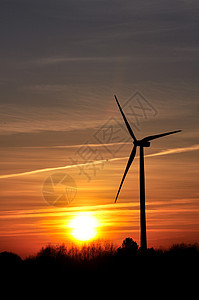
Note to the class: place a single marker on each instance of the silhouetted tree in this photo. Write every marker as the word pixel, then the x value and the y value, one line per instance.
pixel 129 247
pixel 101 260
pixel 9 258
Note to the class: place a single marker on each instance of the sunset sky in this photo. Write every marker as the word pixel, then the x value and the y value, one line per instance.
pixel 62 62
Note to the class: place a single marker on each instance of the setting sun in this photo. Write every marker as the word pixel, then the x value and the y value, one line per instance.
pixel 83 227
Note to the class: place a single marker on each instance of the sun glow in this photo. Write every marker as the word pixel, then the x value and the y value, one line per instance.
pixel 83 227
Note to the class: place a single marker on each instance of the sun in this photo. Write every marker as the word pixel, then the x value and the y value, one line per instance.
pixel 83 227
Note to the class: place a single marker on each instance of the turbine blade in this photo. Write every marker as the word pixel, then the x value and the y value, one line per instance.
pixel 153 137
pixel 131 158
pixel 126 122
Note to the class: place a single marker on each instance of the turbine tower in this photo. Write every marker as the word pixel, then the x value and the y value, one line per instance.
pixel 145 142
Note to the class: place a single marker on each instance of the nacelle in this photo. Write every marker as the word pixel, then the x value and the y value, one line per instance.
pixel 146 144
pixel 142 143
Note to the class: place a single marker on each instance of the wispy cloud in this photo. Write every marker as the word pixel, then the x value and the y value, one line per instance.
pixel 175 150
pixel 49 169
pixel 34 119
pixel 165 152
pixel 63 59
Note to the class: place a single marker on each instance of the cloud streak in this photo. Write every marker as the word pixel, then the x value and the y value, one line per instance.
pixel 165 152
pixel 175 150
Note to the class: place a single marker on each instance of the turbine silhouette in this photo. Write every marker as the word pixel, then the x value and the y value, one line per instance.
pixel 145 142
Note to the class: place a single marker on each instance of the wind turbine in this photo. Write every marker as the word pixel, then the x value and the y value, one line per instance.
pixel 145 142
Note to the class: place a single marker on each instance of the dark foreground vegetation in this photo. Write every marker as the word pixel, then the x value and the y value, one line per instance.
pixel 103 262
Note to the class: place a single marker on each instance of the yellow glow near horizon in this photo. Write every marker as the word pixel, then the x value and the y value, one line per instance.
pixel 83 227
